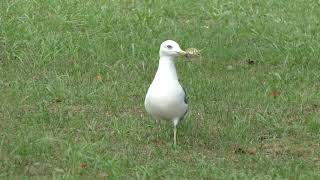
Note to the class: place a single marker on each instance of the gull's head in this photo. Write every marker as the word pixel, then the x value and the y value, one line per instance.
pixel 170 49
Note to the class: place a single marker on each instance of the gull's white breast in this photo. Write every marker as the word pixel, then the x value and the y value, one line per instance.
pixel 165 100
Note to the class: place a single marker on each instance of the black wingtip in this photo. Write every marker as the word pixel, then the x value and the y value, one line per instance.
pixel 185 95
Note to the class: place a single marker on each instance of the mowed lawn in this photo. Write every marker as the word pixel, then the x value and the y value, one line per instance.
pixel 74 74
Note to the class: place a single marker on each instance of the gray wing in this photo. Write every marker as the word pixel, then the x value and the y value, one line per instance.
pixel 185 95
pixel 185 101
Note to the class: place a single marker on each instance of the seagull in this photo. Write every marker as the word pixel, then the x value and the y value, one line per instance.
pixel 166 99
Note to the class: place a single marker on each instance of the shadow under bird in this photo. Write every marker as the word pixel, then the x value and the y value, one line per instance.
pixel 166 98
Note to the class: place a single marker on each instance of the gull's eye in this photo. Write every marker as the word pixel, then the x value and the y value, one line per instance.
pixel 169 46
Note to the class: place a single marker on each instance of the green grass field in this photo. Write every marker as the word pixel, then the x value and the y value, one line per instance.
pixel 74 74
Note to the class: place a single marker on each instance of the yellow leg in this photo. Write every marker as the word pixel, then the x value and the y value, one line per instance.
pixel 175 135
pixel 158 128
pixel 175 123
pixel 158 124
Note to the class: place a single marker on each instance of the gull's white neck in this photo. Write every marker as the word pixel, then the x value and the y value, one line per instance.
pixel 166 69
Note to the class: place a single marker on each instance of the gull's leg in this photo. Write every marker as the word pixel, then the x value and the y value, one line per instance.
pixel 158 124
pixel 158 127
pixel 175 123
pixel 175 135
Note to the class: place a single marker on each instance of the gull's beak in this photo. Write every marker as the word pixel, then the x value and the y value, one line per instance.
pixel 182 53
